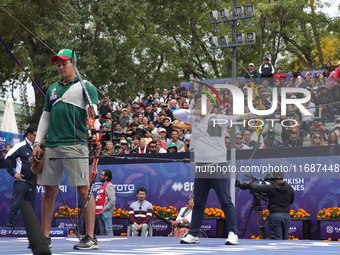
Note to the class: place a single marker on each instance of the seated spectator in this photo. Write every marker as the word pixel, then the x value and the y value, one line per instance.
pixel 227 140
pixel 159 147
pixel 167 111
pixel 186 143
pixel 251 126
pixel 239 142
pixel 146 135
pixel 109 150
pixel 152 147
pixel 140 214
pixel 175 139
pixel 293 141
pixel 307 120
pixel 156 107
pixel 272 132
pixel 337 127
pixel 162 134
pixel 4 152
pixel 135 142
pixel 133 131
pixel 318 126
pixel 125 146
pixel 246 140
pixel 118 149
pixel 144 124
pixel 172 147
pixel 141 148
pixel 183 219
pixel 317 139
pixel 149 113
pixel 332 139
pixel 325 97
pixel 151 127
pixel 167 125
pixel 173 105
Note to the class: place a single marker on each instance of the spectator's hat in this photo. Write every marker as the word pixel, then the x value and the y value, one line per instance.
pixel 64 54
pixel 309 87
pixel 226 134
pixel 106 125
pixel 323 86
pixel 264 94
pixel 164 105
pixel 155 102
pixel 248 80
pixel 293 97
pixel 251 64
pixel 118 145
pixel 172 145
pixel 266 58
pixel 186 137
pixel 162 130
pixel 167 118
pixel 124 110
pixel 137 106
pixel 183 88
pixel 123 142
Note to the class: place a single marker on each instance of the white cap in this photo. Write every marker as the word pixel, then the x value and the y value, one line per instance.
pixel 339 63
pixel 187 137
pixel 162 130
pixel 251 64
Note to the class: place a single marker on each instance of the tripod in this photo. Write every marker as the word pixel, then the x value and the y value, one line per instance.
pixel 257 208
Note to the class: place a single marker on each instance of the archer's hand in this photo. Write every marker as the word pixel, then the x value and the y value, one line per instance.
pixel 36 153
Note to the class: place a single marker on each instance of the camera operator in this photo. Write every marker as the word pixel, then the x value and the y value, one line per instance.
pixel 281 196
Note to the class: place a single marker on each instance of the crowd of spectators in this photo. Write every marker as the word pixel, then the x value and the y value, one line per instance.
pixel 148 125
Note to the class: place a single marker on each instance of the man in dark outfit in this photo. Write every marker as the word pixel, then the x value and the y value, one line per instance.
pixel 281 196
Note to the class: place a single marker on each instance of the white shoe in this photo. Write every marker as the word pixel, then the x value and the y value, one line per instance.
pixel 189 239
pixel 232 239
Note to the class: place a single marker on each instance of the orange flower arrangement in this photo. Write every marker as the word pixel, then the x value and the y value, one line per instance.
pixel 65 211
pixel 213 212
pixel 167 212
pixel 299 214
pixel 329 213
pixel 120 213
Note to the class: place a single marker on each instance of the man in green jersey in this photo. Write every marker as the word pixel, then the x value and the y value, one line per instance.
pixel 64 122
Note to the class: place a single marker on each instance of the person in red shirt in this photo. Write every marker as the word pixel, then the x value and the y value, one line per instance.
pixel 280 75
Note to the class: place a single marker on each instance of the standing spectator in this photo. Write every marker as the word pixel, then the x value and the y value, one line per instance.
pixel 140 214
pixel 166 110
pixel 251 73
pixel 317 139
pixel 293 141
pixel 125 146
pixel 116 115
pixel 18 166
pixel 65 140
pixel 163 135
pixel 279 75
pixel 104 106
pixel 266 70
pixel 105 203
pixel 159 147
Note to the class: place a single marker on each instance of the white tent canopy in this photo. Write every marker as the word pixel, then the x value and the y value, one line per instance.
pixel 9 123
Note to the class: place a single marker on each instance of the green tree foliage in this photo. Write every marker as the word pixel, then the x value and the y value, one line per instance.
pixel 130 48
